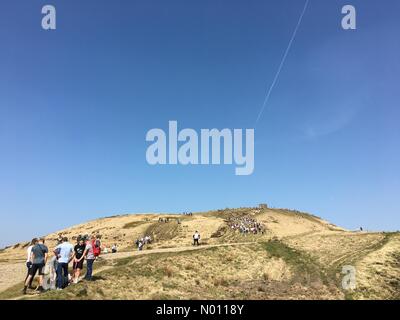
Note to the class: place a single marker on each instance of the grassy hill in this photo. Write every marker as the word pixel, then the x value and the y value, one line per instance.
pixel 298 256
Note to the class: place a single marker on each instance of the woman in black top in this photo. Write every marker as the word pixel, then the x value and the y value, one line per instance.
pixel 79 249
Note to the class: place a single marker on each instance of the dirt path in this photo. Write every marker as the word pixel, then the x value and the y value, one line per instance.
pixel 122 255
pixel 17 270
pixel 358 254
pixel 11 273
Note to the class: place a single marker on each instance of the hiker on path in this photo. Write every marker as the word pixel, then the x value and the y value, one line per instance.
pixel 114 248
pixel 38 259
pixel 147 240
pixel 196 238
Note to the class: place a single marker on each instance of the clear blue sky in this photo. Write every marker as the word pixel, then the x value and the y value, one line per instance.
pixel 76 103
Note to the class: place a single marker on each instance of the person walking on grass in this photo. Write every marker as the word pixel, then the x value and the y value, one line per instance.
pixel 65 253
pixel 79 258
pixel 28 260
pixel 38 258
pixel 89 253
pixel 196 238
pixel 114 248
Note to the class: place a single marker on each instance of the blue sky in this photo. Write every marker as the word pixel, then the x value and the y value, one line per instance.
pixel 76 103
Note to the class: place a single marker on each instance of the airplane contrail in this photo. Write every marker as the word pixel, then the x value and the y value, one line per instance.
pixel 282 63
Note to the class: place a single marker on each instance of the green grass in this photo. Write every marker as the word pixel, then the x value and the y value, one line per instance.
pixel 227 213
pixel 387 237
pixel 305 267
pixel 394 284
pixel 280 250
pixel 349 295
pixel 13 291
pixel 163 231
pixel 133 224
pixel 296 213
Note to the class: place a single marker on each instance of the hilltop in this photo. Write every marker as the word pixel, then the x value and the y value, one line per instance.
pixel 296 256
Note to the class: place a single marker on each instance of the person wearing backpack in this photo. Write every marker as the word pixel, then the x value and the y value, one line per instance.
pixel 91 252
pixel 97 247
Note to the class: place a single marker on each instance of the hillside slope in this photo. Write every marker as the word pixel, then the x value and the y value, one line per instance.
pixel 295 256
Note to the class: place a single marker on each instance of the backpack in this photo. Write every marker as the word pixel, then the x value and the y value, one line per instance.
pixel 57 252
pixel 96 247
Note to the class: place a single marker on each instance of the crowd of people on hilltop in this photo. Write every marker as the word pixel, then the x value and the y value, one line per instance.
pixel 246 224
pixel 187 213
pixel 55 264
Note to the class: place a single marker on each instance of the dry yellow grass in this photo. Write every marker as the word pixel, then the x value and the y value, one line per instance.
pixel 303 261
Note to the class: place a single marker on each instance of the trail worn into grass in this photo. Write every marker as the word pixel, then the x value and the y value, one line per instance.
pixel 298 257
pixel 265 270
pixel 11 274
pixel 123 255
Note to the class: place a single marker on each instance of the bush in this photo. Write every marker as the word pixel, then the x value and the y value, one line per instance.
pixel 168 272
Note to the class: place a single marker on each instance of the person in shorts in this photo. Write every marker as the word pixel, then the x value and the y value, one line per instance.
pixel 78 260
pixel 29 260
pixel 39 255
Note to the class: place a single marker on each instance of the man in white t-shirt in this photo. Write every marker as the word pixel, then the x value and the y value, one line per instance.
pixel 196 238
pixel 64 252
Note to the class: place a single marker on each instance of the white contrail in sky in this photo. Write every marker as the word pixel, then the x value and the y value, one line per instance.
pixel 282 63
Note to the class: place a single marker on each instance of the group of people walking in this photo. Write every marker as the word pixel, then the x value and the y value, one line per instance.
pixel 142 241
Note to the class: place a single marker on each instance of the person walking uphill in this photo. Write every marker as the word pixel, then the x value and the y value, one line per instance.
pixel 38 259
pixel 65 252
